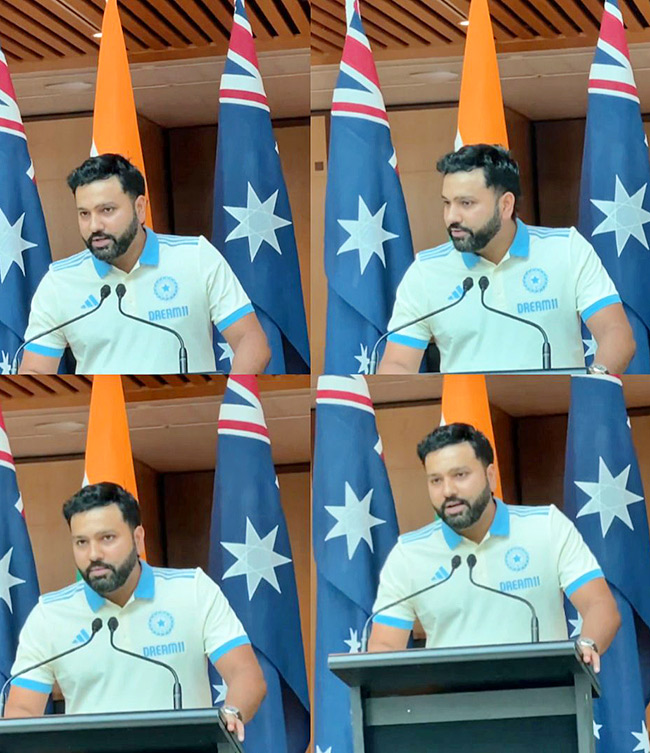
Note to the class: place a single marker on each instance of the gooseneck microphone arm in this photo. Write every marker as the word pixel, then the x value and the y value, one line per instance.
pixel 182 351
pixel 455 564
pixel 103 295
pixel 468 284
pixel 178 693
pixel 483 284
pixel 95 628
pixel 534 622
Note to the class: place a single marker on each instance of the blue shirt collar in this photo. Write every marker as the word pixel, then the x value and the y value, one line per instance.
pixel 500 526
pixel 150 255
pixel 520 247
pixel 144 590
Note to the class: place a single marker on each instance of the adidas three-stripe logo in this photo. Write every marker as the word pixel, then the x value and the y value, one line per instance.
pixel 90 302
pixel 81 637
pixel 441 573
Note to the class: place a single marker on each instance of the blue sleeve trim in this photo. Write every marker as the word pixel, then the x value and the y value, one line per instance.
pixel 382 619
pixel 241 641
pixel 39 687
pixel 412 342
pixel 608 301
pixel 235 316
pixel 43 350
pixel 591 575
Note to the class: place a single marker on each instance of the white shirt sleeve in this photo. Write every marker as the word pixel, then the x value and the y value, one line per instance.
pixel 394 584
pixel 33 648
pixel 222 630
pixel 408 305
pixel 44 315
pixel 594 286
pixel 227 300
pixel 576 565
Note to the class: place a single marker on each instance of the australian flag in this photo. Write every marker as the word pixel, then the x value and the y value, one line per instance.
pixel 24 249
pixel 603 495
pixel 354 529
pixel 614 196
pixel 18 582
pixel 368 243
pixel 250 557
pixel 252 225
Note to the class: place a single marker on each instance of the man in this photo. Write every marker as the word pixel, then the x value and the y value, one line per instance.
pixel 177 616
pixel 182 283
pixel 534 552
pixel 551 277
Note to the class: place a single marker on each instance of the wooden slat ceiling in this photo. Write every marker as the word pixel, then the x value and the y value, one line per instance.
pixel 33 392
pixel 431 28
pixel 53 34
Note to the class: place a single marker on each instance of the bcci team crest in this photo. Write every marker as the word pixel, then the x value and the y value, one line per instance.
pixel 165 288
pixel 517 558
pixel 161 623
pixel 535 280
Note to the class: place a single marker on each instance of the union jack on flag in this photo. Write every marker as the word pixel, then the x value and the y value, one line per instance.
pixel 253 225
pixel 367 237
pixel 25 249
pixel 614 197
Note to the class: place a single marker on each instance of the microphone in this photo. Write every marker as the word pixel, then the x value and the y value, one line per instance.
pixel 468 284
pixel 182 351
pixel 104 292
pixel 483 283
pixel 95 628
pixel 178 693
pixel 455 564
pixel 534 623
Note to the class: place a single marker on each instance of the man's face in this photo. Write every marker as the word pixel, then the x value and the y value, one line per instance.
pixel 460 486
pixel 109 219
pixel 105 548
pixel 472 211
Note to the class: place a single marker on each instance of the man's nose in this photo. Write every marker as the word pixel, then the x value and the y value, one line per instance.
pixel 96 223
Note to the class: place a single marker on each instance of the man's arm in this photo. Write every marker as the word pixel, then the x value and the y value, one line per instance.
pixel 613 333
pixel 34 363
pixel 248 341
pixel 387 638
pixel 600 617
pixel 400 359
pixel 23 702
pixel 244 678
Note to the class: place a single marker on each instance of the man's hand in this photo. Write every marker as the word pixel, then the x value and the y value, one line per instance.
pixel 233 724
pixel 590 656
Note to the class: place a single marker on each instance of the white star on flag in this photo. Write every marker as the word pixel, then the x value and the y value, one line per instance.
pixel 19 505
pixel 577 626
pixel 320 750
pixel 7 580
pixel 367 235
pixel 228 352
pixel 12 245
pixel 597 728
pixel 257 222
pixel 609 497
pixel 222 690
pixel 5 363
pixel 354 520
pixel 643 741
pixel 364 360
pixel 591 345
pixel 353 642
pixel 379 447
pixel 625 216
pixel 256 559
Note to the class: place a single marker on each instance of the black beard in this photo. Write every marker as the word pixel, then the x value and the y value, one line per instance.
pixel 116 578
pixel 119 246
pixel 470 514
pixel 476 240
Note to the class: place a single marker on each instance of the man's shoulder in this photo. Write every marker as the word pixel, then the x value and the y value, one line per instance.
pixel 530 517
pixel 172 573
pixel 409 539
pixel 435 254
pixel 170 243
pixel 63 594
pixel 71 263
pixel 546 239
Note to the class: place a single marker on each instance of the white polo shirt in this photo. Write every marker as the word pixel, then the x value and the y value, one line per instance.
pixel 534 552
pixel 183 283
pixel 179 617
pixel 549 276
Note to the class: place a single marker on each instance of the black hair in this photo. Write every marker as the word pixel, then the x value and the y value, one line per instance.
pixel 106 166
pixel 499 166
pixel 450 434
pixel 101 495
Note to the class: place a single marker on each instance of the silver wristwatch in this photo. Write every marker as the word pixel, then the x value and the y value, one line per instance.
pixel 588 643
pixel 232 711
pixel 597 368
